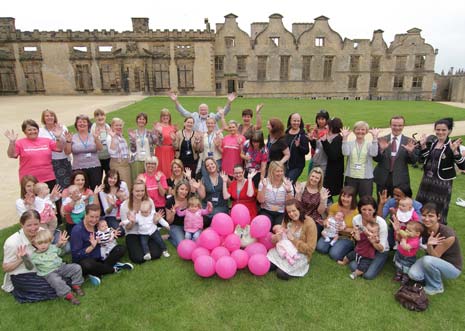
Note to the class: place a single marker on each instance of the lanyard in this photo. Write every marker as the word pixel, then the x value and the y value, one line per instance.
pixel 359 150
pixel 141 138
pixel 85 144
pixel 210 140
pixel 51 134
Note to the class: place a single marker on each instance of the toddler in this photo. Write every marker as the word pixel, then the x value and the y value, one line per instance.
pixel 193 220
pixel 146 218
pixel 45 207
pixel 285 247
pixel 78 202
pixel 405 212
pixel 407 247
pixel 46 258
pixel 106 237
pixel 333 225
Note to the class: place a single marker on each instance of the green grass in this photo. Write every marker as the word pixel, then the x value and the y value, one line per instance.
pixel 166 294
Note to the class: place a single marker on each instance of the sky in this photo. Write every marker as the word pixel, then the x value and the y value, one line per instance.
pixel 442 22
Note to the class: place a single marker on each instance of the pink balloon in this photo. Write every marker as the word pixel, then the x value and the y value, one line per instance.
pixel 241 257
pixel 266 240
pixel 185 249
pixel 260 226
pixel 256 248
pixel 226 267
pixel 232 242
pixel 240 214
pixel 259 264
pixel 219 252
pixel 204 266
pixel 222 224
pixel 209 239
pixel 199 251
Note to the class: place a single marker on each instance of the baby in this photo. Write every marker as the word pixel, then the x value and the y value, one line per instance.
pixel 49 265
pixel 405 212
pixel 193 220
pixel 285 247
pixel 121 196
pixel 407 247
pixel 78 202
pixel 45 207
pixel 106 237
pixel 333 225
pixel 146 218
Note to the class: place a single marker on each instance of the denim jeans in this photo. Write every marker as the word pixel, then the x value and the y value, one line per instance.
pixel 192 235
pixel 375 267
pixel 336 252
pixel 431 269
pixel 176 234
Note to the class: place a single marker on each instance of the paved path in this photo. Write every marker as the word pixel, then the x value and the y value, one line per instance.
pixel 13 110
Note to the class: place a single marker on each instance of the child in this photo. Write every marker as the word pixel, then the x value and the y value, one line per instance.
pixel 193 220
pixel 255 155
pixel 45 207
pixel 49 265
pixel 407 247
pixel 78 202
pixel 285 247
pixel 146 218
pixel 405 212
pixel 106 237
pixel 364 252
pixel 333 225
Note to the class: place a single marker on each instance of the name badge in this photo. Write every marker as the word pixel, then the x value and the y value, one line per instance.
pixel 88 155
pixel 357 166
pixel 188 152
pixel 142 153
pixel 215 199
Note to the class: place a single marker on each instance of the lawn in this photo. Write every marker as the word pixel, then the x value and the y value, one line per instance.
pixel 166 294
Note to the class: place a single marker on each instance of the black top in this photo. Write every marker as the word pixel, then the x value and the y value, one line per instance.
pixel 297 159
pixel 275 150
pixel 178 220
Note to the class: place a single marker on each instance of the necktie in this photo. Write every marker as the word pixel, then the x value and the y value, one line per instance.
pixel 393 153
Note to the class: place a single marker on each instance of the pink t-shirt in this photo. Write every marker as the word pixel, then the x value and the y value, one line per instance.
pixel 35 158
pixel 414 244
pixel 232 146
pixel 152 189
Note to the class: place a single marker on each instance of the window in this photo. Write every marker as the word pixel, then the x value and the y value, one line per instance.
pixel 328 67
pixel 229 42
pixel 353 81
pixel 218 86
pixel 261 67
pixel 83 77
pixel 33 75
pixel 161 75
pixel 375 62
pixel 319 41
pixel 306 66
pixel 398 82
pixel 420 61
pixel 284 68
pixel 110 77
pixel 219 63
pixel 7 78
pixel 401 62
pixel 30 48
pixel 313 98
pixel 241 63
pixel 328 98
pixel 80 49
pixel 105 49
pixel 354 62
pixel 183 46
pixel 240 84
pixel 345 98
pixel 417 82
pixel 355 45
pixel 374 81
pixel 186 75
pixel 275 41
pixel 357 98
pixel 379 98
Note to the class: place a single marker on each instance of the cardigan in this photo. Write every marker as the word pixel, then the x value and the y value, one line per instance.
pixel 307 242
pixel 446 169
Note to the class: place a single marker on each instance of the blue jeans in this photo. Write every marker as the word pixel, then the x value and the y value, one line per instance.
pixel 336 252
pixel 176 234
pixel 293 174
pixel 431 269
pixel 156 237
pixel 375 267
pixel 192 235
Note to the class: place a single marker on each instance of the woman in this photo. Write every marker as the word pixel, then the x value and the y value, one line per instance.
pixel 444 257
pixel 20 281
pixel 247 128
pixel 367 207
pixel 165 150
pixel 319 158
pixel 177 174
pixel 112 187
pixel 177 200
pixel 347 204
pixel 255 155
pixel 84 147
pixel 278 150
pixel 438 169
pixel 210 146
pixel 399 192
pixel 360 153
pixel 241 190
pixel 187 145
pixel 301 231
pixel 332 146
pixel 155 182
pixel 119 151
pixel 142 144
pixel 60 161
pixel 231 147
pixel 314 197
pixel 273 193
pixel 298 146
pixel 210 189
pixel 103 129
pixel 129 209
pixel 35 153
pixel 26 201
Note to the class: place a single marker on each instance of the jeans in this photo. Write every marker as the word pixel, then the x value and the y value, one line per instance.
pixel 293 174
pixel 375 267
pixel 176 234
pixel 336 252
pixel 156 237
pixel 192 235
pixel 431 269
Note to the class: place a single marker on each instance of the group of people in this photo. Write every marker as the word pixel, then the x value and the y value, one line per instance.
pixel 101 187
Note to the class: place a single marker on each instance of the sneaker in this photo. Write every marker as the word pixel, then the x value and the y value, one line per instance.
pixel 460 202
pixel 94 280
pixel 433 291
pixel 122 266
pixel 166 254
pixel 78 290
pixel 147 257
pixel 353 275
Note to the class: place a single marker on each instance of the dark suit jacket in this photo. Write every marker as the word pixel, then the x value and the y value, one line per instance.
pixel 400 173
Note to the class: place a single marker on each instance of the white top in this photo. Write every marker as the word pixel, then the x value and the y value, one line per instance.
pixel 146 224
pixel 383 230
pixel 124 211
pixel 45 133
pixel 103 199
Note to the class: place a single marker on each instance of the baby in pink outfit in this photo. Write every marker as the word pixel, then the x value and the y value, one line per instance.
pixel 285 247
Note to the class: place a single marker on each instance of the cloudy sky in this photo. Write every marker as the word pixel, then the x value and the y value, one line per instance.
pixel 442 22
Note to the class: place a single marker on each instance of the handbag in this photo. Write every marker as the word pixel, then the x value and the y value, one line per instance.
pixel 412 297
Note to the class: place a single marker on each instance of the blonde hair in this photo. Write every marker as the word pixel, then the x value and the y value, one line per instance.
pixel 317 170
pixel 115 120
pixel 273 166
pixel 51 112
pixel 150 159
pixel 164 112
pixel 194 202
pixel 43 237
pixel 73 188
pixel 145 204
pixel 98 112
pixel 38 187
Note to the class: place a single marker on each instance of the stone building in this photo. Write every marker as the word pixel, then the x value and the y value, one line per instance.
pixel 311 61
pixel 450 87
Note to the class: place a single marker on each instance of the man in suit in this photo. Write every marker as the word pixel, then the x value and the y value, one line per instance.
pixel 395 152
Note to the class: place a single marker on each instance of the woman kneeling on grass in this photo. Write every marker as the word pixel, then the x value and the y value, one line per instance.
pixel 444 257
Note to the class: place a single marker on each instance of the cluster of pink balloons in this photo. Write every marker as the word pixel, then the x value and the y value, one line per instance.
pixel 218 249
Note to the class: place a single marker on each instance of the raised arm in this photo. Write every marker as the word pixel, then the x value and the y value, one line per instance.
pixel 174 97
